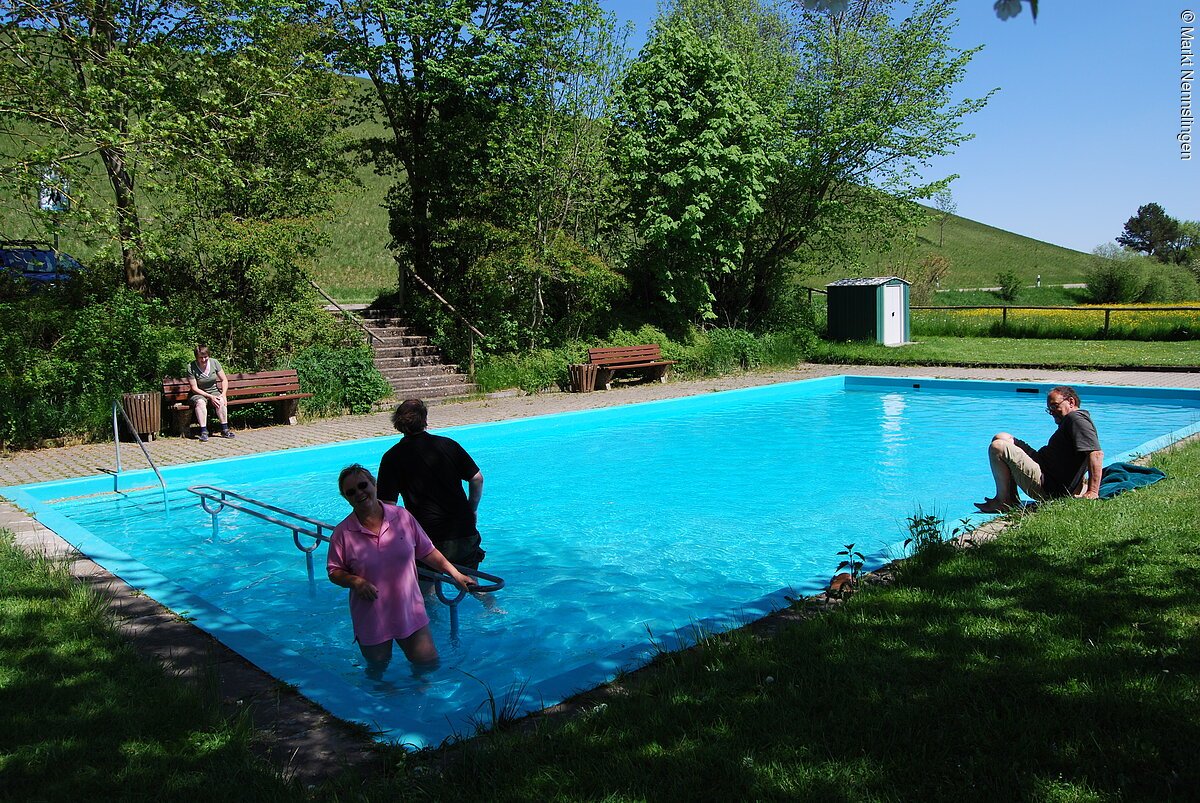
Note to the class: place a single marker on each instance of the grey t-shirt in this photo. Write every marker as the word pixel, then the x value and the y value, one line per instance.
pixel 1064 460
pixel 206 380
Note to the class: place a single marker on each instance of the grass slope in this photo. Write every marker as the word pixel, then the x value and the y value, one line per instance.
pixel 978 253
pixel 354 264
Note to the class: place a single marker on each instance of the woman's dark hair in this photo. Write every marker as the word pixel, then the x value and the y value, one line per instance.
pixel 354 468
pixel 411 417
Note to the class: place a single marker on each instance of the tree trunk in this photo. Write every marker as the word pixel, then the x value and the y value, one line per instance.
pixel 129 230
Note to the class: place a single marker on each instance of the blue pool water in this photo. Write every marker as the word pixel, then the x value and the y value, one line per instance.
pixel 618 531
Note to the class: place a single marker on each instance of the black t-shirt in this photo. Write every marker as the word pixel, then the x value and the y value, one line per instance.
pixel 1064 459
pixel 428 471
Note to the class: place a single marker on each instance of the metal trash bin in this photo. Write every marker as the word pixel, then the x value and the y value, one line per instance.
pixel 145 412
pixel 583 378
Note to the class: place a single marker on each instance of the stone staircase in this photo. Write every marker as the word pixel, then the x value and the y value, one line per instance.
pixel 410 364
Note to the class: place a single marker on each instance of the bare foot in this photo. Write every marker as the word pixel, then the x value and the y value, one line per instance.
pixel 989 505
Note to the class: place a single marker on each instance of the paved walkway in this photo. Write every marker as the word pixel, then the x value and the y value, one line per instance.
pixel 297 735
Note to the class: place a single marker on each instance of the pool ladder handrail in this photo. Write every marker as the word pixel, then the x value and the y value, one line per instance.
pixel 320 532
pixel 117 407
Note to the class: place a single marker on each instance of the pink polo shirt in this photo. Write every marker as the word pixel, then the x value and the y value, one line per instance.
pixel 387 562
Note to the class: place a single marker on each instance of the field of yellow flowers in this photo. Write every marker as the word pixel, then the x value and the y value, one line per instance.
pixel 1124 322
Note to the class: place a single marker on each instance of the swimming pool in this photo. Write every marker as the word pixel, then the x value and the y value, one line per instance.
pixel 619 531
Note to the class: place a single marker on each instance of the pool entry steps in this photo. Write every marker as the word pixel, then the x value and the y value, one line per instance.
pixel 215 500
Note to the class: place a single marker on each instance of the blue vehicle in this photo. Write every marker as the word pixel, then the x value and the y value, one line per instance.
pixel 38 263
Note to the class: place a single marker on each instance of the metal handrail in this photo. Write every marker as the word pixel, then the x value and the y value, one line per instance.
pixel 472 332
pixel 138 438
pixel 320 532
pixel 347 314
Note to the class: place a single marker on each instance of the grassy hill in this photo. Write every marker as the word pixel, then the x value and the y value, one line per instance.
pixel 977 253
pixel 354 265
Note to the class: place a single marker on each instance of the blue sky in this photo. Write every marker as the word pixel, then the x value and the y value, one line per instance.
pixel 1083 130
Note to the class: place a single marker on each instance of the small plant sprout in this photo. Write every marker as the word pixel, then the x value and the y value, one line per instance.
pixel 924 530
pixel 852 561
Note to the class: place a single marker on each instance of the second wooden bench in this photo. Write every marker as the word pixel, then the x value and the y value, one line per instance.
pixel 281 388
pixel 646 360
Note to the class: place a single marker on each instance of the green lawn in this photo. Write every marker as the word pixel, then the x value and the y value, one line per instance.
pixel 1057 663
pixel 86 718
pixel 997 351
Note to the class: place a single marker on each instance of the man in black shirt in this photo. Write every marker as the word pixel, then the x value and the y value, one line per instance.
pixel 1058 468
pixel 428 472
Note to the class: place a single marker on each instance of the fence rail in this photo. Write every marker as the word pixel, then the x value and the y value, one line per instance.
pixel 1108 311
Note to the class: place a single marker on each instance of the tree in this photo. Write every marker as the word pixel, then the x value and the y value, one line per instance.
pixel 944 202
pixel 869 100
pixel 442 72
pixel 692 159
pixel 1152 231
pixel 549 184
pixel 1005 9
pixel 143 87
pixel 845 108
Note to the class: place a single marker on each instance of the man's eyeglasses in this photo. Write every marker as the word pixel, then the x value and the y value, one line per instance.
pixel 1052 407
pixel 362 486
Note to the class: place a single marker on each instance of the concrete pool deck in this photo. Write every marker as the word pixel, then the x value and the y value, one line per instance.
pixel 298 736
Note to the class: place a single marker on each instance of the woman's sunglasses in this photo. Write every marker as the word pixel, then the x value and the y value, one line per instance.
pixel 362 486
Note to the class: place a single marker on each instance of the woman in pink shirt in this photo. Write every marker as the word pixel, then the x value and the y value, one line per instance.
pixel 373 553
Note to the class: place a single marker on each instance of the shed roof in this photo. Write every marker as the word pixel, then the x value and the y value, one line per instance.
pixel 873 282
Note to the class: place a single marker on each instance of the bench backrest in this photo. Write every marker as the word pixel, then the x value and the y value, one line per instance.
pixel 264 383
pixel 617 356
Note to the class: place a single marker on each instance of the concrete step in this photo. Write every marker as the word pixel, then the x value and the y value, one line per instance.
pixel 411 361
pixel 426 350
pixel 393 341
pixel 392 352
pixel 433 386
pixel 389 327
pixel 406 372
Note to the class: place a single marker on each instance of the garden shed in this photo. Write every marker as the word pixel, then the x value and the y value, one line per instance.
pixel 869 309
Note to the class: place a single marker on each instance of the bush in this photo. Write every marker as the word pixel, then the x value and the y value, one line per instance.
pixel 532 371
pixel 1167 284
pixel 731 350
pixel 340 379
pixel 926 278
pixel 1010 285
pixel 1114 280
pixel 118 345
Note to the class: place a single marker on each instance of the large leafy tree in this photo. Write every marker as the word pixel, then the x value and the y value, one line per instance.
pixel 873 106
pixel 1152 231
pixel 692 155
pixel 549 184
pixel 441 71
pixel 852 106
pixel 143 87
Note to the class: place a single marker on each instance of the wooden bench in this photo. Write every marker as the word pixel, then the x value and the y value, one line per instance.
pixel 646 360
pixel 281 388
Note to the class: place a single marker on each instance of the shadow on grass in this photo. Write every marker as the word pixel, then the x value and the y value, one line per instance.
pixel 85 718
pixel 1024 669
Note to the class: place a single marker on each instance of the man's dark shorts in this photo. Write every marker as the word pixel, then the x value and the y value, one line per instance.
pixel 463 551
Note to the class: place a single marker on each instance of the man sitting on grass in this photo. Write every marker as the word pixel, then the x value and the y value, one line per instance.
pixel 1055 470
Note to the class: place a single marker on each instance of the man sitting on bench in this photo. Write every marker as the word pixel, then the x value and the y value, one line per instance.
pixel 208 382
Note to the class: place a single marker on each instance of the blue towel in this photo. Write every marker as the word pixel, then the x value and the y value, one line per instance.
pixel 1119 477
